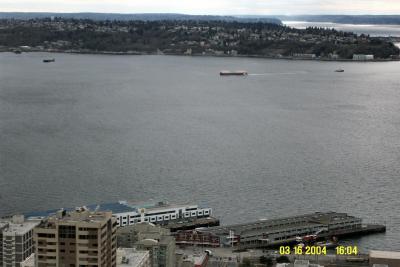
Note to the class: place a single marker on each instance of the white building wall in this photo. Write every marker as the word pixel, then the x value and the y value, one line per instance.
pixel 129 218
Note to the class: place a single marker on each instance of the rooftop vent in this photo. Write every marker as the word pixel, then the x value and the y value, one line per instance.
pixel 124 260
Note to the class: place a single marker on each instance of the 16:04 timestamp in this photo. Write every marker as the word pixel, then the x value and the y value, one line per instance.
pixel 346 250
pixel 317 250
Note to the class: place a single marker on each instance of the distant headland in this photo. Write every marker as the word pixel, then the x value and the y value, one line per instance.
pixel 187 35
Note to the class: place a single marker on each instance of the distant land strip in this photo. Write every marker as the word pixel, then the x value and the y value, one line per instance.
pixel 343 19
pixel 138 16
pixel 190 37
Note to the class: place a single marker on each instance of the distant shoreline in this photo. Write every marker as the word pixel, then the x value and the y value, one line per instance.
pixel 135 53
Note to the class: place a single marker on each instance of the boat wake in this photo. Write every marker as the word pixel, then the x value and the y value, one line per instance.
pixel 278 73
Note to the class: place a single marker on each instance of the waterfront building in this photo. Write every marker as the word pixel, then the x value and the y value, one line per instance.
pixel 77 238
pixel 362 57
pixel 389 258
pixel 304 56
pixel 130 257
pixel 129 213
pixel 16 240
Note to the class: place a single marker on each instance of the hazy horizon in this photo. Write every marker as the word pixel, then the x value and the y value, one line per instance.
pixel 208 7
pixel 199 14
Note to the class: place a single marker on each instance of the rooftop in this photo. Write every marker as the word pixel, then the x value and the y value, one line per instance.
pixel 77 216
pixel 313 219
pixel 279 228
pixel 130 256
pixel 197 259
pixel 17 225
pixel 384 254
pixel 116 207
pixel 30 261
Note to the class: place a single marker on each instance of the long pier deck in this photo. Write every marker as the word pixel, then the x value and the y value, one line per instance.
pixel 287 231
pixel 364 230
pixel 191 224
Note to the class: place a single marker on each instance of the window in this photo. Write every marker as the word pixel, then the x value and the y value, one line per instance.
pixel 66 231
pixel 46 235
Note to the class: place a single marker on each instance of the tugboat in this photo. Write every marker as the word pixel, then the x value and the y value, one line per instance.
pixel 49 60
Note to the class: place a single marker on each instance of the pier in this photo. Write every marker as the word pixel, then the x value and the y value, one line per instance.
pixel 175 226
pixel 289 230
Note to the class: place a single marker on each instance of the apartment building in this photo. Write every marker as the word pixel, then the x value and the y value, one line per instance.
pixel 76 239
pixel 16 240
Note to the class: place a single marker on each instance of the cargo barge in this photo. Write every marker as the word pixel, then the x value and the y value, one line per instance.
pixel 288 231
pixel 233 73
pixel 175 217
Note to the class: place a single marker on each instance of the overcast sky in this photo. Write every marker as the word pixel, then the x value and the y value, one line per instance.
pixel 220 7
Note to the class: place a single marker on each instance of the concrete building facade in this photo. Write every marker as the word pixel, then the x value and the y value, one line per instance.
pixel 150 237
pixel 16 240
pixel 75 239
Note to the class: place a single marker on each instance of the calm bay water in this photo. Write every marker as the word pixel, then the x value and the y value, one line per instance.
pixel 372 30
pixel 292 137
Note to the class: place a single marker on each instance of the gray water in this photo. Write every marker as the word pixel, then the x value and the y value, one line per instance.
pixel 292 137
pixel 372 30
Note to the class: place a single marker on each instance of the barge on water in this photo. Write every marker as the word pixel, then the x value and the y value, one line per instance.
pixel 287 231
pixel 233 73
pixel 49 60
pixel 175 217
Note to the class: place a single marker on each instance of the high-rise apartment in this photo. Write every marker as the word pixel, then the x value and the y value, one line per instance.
pixel 76 239
pixel 16 240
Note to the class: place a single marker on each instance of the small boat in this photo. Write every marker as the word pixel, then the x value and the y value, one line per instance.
pixel 49 60
pixel 339 70
pixel 17 51
pixel 233 73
